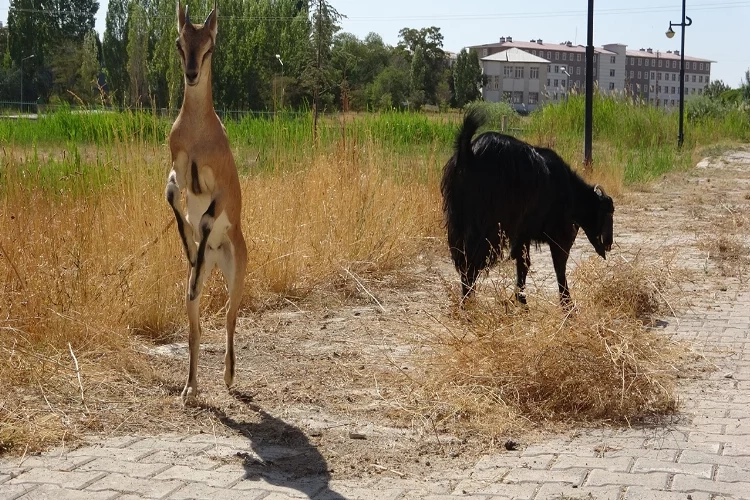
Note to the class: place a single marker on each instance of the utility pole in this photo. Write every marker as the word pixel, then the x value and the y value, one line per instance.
pixel 589 116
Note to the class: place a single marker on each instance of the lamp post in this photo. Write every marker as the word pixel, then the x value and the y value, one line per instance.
pixel 567 83
pixel 670 34
pixel 278 56
pixel 589 115
pixel 21 68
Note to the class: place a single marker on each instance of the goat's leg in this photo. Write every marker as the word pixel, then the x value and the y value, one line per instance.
pixel 232 262
pixel 523 263
pixel 560 261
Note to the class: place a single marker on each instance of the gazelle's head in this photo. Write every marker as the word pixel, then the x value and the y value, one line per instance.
pixel 195 44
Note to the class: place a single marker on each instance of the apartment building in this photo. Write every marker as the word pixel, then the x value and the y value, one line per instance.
pixel 654 76
pixel 515 76
pixel 616 69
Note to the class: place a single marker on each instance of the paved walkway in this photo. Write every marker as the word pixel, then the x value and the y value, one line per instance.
pixel 704 455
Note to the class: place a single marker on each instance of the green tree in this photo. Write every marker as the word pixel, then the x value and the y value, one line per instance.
pixel 318 75
pixel 137 53
pixel 745 87
pixel 418 78
pixel 433 58
pixel 115 49
pixel 467 77
pixel 89 71
pixel 74 18
pixel 715 89
pixel 390 88
pixel 31 31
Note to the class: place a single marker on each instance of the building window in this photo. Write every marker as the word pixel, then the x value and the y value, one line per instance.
pixel 557 56
pixel 632 74
pixel 549 68
pixel 674 64
pixel 484 52
pixel 687 78
pixel 507 71
pixel 496 82
pixel 611 72
pixel 632 61
pixel 547 82
pixel 549 55
pixel 674 76
pixel 557 69
pixel 700 78
pixel 671 102
pixel 658 89
pixel 611 85
pixel 612 59
pixel 517 97
pixel 640 61
pixel 578 70
pixel 673 91
pixel 708 68
pixel 650 88
pixel 701 66
pixel 562 83
pixel 594 57
pixel 658 75
pixel 693 78
pixel 695 65
pixel 519 71
pixel 533 97
pixel 700 91
pixel 565 57
pixel 557 83
pixel 640 75
pixel 660 61
pixel 534 73
pixel 578 57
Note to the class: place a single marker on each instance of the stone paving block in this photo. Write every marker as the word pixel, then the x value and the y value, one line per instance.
pixel 418 495
pixel 54 462
pixel 616 464
pixel 228 441
pixel 348 493
pixel 435 487
pixel 572 476
pixel 641 493
pixel 521 491
pixel 292 489
pixel 113 453
pixel 53 492
pixel 699 470
pixel 508 460
pixel 13 491
pixel 649 479
pixel 198 461
pixel 201 491
pixel 733 474
pixel 732 449
pixel 209 477
pixel 667 455
pixel 558 491
pixel 149 488
pixel 685 483
pixel 697 457
pixel 704 446
pixel 73 480
pixel 161 444
pixel 132 469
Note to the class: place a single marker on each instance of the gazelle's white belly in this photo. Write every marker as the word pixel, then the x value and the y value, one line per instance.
pixel 197 204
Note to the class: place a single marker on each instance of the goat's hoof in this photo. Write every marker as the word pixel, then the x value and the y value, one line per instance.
pixel 189 394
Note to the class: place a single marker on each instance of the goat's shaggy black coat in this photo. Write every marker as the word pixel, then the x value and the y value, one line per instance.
pixel 498 190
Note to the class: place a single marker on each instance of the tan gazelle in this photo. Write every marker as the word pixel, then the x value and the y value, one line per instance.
pixel 203 167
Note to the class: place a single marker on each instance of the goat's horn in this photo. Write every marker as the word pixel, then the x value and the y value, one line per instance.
pixel 598 190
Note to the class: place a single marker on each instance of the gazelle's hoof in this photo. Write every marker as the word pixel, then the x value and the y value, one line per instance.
pixel 189 394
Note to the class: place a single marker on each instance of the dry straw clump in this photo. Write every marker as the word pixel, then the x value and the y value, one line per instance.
pixel 501 367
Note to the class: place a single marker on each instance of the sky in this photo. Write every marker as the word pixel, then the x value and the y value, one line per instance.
pixel 720 30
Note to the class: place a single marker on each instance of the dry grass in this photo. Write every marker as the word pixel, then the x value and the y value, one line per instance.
pixel 90 257
pixel 502 368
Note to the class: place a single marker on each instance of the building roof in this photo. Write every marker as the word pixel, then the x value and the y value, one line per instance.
pixel 565 47
pixel 663 55
pixel 516 55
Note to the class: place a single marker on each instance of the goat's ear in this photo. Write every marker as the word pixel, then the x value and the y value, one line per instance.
pixel 212 22
pixel 598 190
pixel 181 16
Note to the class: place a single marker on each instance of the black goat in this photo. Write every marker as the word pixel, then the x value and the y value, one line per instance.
pixel 499 190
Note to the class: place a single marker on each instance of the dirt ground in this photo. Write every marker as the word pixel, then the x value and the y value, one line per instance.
pixel 331 376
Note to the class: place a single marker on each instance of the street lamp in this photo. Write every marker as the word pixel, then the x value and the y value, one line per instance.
pixel 588 127
pixel 670 34
pixel 567 83
pixel 278 56
pixel 21 68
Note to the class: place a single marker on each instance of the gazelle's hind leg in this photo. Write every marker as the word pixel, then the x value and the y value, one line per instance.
pixel 232 262
pixel 194 337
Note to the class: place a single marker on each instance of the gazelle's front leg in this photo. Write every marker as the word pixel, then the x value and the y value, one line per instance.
pixel 176 183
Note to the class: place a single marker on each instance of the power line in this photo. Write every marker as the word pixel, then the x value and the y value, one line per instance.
pixel 457 17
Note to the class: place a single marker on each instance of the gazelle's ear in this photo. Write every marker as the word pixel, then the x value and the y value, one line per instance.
pixel 181 16
pixel 212 22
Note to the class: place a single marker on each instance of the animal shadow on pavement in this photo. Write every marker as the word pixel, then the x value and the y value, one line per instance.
pixel 282 454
